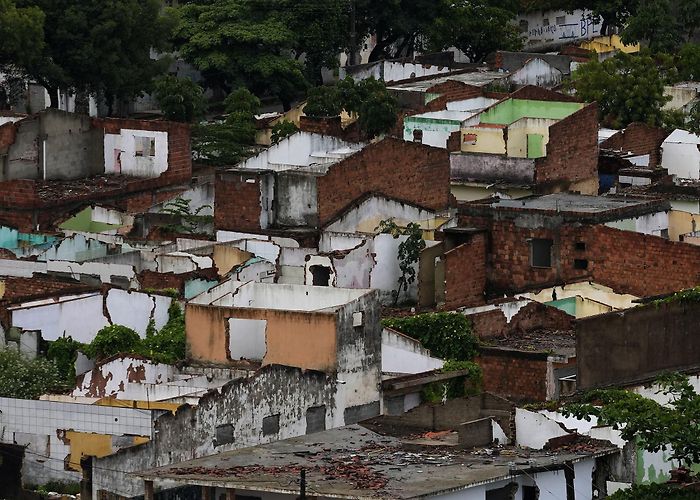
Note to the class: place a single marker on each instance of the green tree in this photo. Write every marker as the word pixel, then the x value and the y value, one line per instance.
pixel 655 492
pixel 22 34
pixel 611 13
pixel 654 23
pixel 688 62
pixel 27 379
pixel 180 99
pixel 627 88
pixel 448 335
pixel 321 32
pixel 476 27
pixel 99 46
pixel 673 427
pixel 241 43
pixel 322 102
pixel 378 109
pixel 169 344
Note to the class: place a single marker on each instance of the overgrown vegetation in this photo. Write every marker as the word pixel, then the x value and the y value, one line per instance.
pixel 189 220
pixel 466 385
pixel 369 99
pixel 408 254
pixel 64 352
pixel 655 492
pixel 282 129
pixel 674 427
pixel 28 379
pixel 682 296
pixel 447 335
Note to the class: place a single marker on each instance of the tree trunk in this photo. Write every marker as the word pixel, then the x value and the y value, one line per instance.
pixel 53 95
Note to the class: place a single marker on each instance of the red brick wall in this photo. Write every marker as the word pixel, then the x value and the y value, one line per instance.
pixel 237 202
pixel 20 193
pixel 179 152
pixel 8 132
pixel 513 375
pixel 324 126
pixel 533 316
pixel 638 138
pixel 410 172
pixel 465 273
pixel 626 261
pixel 572 151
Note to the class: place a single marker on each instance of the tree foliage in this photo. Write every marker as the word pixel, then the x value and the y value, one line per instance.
pixel 674 427
pixel 376 108
pixel 21 32
pixel 113 339
pixel 238 43
pixel 189 220
pixel 654 23
pixel 64 352
pixel 27 379
pixel 448 335
pixel 180 99
pixel 627 88
pixel 282 129
pixel 476 27
pixel 98 46
pixel 655 492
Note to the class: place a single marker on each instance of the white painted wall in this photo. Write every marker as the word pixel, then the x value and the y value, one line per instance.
pixel 120 153
pixel 654 224
pixel 557 27
pixel 533 430
pixel 182 262
pixel 367 216
pixel 536 72
pixel 301 150
pixel 402 354
pixel 82 316
pixel 680 154
pixel 247 338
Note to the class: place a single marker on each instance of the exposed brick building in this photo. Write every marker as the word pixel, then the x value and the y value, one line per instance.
pixel 54 162
pixel 639 139
pixel 535 246
pixel 263 200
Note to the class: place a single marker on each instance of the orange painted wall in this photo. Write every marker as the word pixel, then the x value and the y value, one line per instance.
pixel 300 339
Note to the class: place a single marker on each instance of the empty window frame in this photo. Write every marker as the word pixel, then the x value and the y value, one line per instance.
pixel 144 146
pixel 541 252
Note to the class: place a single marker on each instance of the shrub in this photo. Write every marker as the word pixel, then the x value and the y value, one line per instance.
pixel 456 387
pixel 323 102
pixel 63 352
pixel 447 335
pixel 654 492
pixel 27 379
pixel 114 339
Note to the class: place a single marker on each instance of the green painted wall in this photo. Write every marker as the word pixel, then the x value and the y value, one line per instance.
pixel 535 147
pixel 11 239
pixel 567 305
pixel 83 222
pixel 513 110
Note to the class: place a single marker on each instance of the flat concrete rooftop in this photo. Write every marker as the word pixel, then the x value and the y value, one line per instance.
pixel 476 78
pixel 355 462
pixel 572 203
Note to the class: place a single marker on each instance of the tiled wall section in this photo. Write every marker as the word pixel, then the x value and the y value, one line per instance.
pixel 39 425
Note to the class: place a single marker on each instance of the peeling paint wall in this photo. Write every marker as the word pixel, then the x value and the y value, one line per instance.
pixel 42 426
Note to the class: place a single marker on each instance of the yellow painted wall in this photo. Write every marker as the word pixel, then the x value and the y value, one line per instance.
pixel 488 140
pixel 603 44
pixel 226 257
pixel 586 290
pixel 142 405
pixel 85 444
pixel 518 132
pixel 588 307
pixel 681 223
pixel 473 192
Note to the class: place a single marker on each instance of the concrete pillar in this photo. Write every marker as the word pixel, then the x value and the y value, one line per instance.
pixel 148 490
